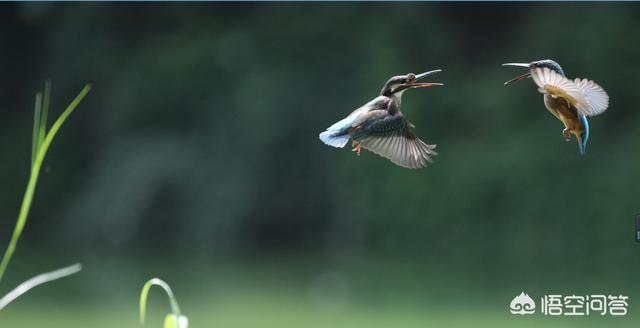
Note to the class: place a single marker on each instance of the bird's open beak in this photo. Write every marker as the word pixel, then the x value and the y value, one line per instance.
pixel 520 77
pixel 415 84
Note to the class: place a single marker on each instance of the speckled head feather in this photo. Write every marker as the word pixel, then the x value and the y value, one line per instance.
pixel 552 65
pixel 394 84
pixel 399 83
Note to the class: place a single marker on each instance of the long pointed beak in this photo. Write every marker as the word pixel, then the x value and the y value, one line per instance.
pixel 424 85
pixel 520 77
pixel 516 64
pixel 423 75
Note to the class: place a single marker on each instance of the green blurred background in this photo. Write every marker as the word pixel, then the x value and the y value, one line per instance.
pixel 196 158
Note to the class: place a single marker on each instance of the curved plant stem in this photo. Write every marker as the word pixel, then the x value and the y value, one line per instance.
pixel 175 309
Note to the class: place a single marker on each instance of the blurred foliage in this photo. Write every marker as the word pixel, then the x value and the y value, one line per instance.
pixel 202 142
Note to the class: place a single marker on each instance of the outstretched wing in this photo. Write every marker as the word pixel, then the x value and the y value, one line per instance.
pixel 588 97
pixel 558 86
pixel 596 96
pixel 401 146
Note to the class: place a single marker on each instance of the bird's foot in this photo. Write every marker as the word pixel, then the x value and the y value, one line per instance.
pixel 566 133
pixel 356 147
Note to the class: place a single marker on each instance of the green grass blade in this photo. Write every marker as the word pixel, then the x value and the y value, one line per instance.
pixel 58 123
pixel 38 280
pixel 33 179
pixel 35 143
pixel 46 100
pixel 175 309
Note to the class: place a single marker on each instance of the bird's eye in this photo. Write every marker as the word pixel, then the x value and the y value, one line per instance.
pixel 411 77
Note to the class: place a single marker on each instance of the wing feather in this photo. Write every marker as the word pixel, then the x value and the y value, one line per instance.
pixel 402 150
pixel 595 94
pixel 360 114
pixel 585 95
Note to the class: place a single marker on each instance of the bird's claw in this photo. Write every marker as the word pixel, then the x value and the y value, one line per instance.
pixel 566 133
pixel 356 147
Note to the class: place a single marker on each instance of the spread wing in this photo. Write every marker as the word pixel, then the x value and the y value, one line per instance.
pixel 585 95
pixel 399 145
pixel 596 96
pixel 558 86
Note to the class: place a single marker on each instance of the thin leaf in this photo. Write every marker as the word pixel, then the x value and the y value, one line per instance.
pixel 38 280
pixel 46 100
pixel 33 179
pixel 35 143
pixel 175 309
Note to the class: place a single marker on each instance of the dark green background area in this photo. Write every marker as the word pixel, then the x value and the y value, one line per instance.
pixel 196 158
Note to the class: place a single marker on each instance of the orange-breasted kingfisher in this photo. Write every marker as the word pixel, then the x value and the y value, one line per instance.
pixel 570 101
pixel 380 127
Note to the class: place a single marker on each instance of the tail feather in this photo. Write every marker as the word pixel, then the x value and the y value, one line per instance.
pixel 337 135
pixel 584 136
pixel 343 124
pixel 334 138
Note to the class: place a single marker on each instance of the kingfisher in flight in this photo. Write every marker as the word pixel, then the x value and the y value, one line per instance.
pixel 380 127
pixel 570 101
